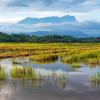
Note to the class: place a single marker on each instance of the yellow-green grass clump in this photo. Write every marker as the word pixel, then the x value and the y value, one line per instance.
pixel 81 57
pixel 75 66
pixel 96 78
pixel 93 61
pixel 19 72
pixel 44 57
pixel 3 75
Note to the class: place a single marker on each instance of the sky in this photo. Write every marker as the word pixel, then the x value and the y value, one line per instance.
pixel 12 11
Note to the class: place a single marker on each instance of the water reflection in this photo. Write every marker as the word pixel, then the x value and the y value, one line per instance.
pixel 61 83
pixel 26 83
pixel 46 61
pixel 2 83
pixel 95 83
pixel 89 70
pixel 55 71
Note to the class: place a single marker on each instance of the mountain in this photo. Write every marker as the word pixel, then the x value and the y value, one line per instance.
pixel 77 34
pixel 65 25
pixel 94 35
pixel 53 19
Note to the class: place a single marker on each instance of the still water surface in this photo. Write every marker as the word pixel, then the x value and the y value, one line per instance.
pixel 78 85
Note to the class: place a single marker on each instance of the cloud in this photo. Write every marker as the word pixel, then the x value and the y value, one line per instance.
pixel 28 3
pixel 68 5
pixel 19 9
pixel 90 27
pixel 86 27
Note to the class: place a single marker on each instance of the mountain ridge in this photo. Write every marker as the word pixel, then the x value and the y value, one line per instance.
pixel 52 19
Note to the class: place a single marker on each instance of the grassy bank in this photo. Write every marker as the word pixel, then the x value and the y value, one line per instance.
pixel 26 49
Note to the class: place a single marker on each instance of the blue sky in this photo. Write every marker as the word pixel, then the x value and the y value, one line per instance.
pixel 12 11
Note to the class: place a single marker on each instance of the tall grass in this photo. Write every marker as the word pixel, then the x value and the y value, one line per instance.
pixel 90 56
pixel 96 79
pixel 44 57
pixel 3 75
pixel 19 72
pixel 26 49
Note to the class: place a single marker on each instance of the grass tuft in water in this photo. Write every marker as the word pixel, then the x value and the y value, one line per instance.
pixel 3 75
pixel 96 77
pixel 75 66
pixel 19 72
pixel 96 80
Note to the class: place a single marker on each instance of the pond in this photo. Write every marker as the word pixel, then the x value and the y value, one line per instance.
pixel 60 81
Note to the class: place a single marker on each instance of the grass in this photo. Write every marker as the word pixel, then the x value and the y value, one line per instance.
pixel 71 53
pixel 75 66
pixel 74 54
pixel 96 79
pixel 19 72
pixel 26 49
pixel 88 56
pixel 3 75
pixel 44 58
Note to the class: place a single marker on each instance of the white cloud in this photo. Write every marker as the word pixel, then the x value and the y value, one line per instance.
pixel 12 11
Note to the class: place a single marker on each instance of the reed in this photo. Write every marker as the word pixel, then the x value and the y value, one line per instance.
pixel 3 75
pixel 44 57
pixel 26 49
pixel 90 56
pixel 96 80
pixel 19 72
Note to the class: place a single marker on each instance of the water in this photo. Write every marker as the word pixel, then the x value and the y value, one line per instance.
pixel 77 86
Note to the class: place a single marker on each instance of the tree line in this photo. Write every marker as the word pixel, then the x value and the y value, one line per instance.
pixel 45 39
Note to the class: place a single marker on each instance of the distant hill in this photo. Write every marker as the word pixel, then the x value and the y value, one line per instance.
pixel 46 39
pixel 77 34
pixel 65 25
pixel 55 30
pixel 54 19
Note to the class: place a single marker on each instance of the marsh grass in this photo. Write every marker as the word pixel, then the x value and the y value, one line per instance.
pixel 44 57
pixel 27 49
pixel 89 56
pixel 3 75
pixel 96 79
pixel 19 72
pixel 76 66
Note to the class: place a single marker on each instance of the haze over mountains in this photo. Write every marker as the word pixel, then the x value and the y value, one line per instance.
pixel 65 25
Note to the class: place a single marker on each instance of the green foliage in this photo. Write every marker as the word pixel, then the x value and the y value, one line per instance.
pixel 44 39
